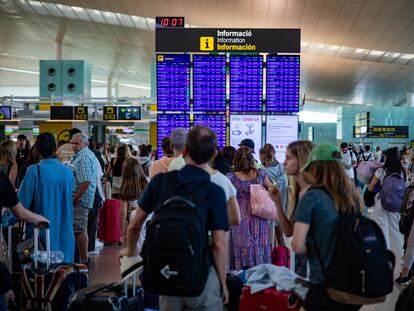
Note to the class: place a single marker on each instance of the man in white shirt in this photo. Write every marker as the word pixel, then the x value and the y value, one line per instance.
pixel 348 160
pixel 367 155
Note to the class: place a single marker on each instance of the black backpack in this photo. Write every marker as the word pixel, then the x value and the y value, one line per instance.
pixel 407 211
pixel 362 268
pixel 175 251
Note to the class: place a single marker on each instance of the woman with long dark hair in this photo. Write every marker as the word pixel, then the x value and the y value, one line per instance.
pixel 388 221
pixel 115 169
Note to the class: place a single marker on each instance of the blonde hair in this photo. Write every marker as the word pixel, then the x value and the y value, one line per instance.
pixel 267 154
pixel 300 150
pixel 244 161
pixel 332 177
pixel 8 152
pixel 133 180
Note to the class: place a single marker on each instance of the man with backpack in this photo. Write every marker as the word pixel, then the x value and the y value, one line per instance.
pixel 180 263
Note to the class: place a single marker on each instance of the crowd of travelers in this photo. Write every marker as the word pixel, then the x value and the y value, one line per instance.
pixel 309 189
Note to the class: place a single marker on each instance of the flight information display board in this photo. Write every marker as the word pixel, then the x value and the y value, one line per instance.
pixel 173 82
pixel 129 113
pixel 217 122
pixel 246 83
pixel 282 83
pixel 209 82
pixel 61 113
pixel 5 112
pixel 166 123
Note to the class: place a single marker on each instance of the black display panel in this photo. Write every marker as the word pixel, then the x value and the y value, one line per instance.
pixel 173 82
pixel 129 113
pixel 61 113
pixel 169 22
pixel 166 123
pixel 246 83
pixel 5 113
pixel 217 122
pixel 209 83
pixel 109 113
pixel 282 83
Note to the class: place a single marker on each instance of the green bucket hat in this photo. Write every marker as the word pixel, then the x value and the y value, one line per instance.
pixel 323 152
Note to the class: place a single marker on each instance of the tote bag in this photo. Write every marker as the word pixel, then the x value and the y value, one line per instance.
pixel 260 202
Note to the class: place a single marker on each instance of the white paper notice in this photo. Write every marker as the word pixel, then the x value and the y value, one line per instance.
pixel 280 132
pixel 246 126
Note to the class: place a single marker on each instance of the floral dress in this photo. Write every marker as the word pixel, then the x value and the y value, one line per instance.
pixel 249 243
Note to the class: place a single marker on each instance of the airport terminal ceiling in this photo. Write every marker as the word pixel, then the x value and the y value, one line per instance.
pixel 353 51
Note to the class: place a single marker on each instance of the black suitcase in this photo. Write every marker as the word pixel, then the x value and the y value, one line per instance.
pixel 107 297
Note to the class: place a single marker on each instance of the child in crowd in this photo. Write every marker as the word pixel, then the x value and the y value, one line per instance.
pixel 133 185
pixel 316 216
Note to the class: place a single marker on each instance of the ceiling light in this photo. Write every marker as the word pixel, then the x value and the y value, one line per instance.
pixel 376 53
pixel 96 12
pixel 407 56
pixel 136 86
pixel 77 9
pixel 361 51
pixel 35 3
pixel 109 14
pixel 19 70
pixel 99 81
pixel 334 47
pixel 304 44
pixel 392 54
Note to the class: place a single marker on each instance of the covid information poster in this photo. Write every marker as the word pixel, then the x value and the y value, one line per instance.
pixel 246 126
pixel 280 132
pixel 166 123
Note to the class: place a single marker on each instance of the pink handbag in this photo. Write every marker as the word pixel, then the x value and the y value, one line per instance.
pixel 260 202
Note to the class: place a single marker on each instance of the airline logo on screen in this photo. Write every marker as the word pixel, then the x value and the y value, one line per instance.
pixel 206 43
pixel 160 58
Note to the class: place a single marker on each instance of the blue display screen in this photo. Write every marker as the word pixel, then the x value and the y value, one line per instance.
pixel 173 82
pixel 217 122
pixel 246 83
pixel 5 112
pixel 282 83
pixel 166 123
pixel 209 82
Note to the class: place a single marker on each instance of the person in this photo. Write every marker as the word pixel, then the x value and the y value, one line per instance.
pixel 8 163
pixel 378 154
pixel 47 190
pixel 405 158
pixel 296 157
pixel 115 169
pixel 144 158
pixel 349 160
pixel 84 169
pixel 177 138
pixel 65 152
pixel 233 209
pixel 221 163
pixel 316 217
pixel 8 199
pixel 161 165
pixel 23 150
pixel 199 150
pixel 97 153
pixel 33 158
pixel 277 176
pixel 228 153
pixel 249 242
pixel 388 221
pixel 367 155
pixel 132 188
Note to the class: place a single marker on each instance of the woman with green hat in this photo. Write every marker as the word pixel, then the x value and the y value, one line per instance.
pixel 316 216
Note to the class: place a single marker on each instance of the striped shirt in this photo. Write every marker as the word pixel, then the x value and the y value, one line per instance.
pixel 85 169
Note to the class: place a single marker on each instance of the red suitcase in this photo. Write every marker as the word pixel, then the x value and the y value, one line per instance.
pixel 109 230
pixel 281 256
pixel 269 299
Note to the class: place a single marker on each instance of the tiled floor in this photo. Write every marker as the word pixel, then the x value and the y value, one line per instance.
pixel 105 268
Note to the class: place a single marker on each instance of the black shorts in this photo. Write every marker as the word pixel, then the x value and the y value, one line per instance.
pixel 318 299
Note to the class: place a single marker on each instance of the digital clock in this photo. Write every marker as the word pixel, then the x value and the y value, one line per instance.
pixel 169 22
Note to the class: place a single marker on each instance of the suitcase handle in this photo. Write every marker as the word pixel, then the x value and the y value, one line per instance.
pixel 39 226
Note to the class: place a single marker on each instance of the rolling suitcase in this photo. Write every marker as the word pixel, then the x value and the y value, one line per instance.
pixel 281 256
pixel 107 297
pixel 50 286
pixel 109 230
pixel 269 299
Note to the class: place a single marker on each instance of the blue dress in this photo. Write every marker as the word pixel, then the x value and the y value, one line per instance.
pixel 52 199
